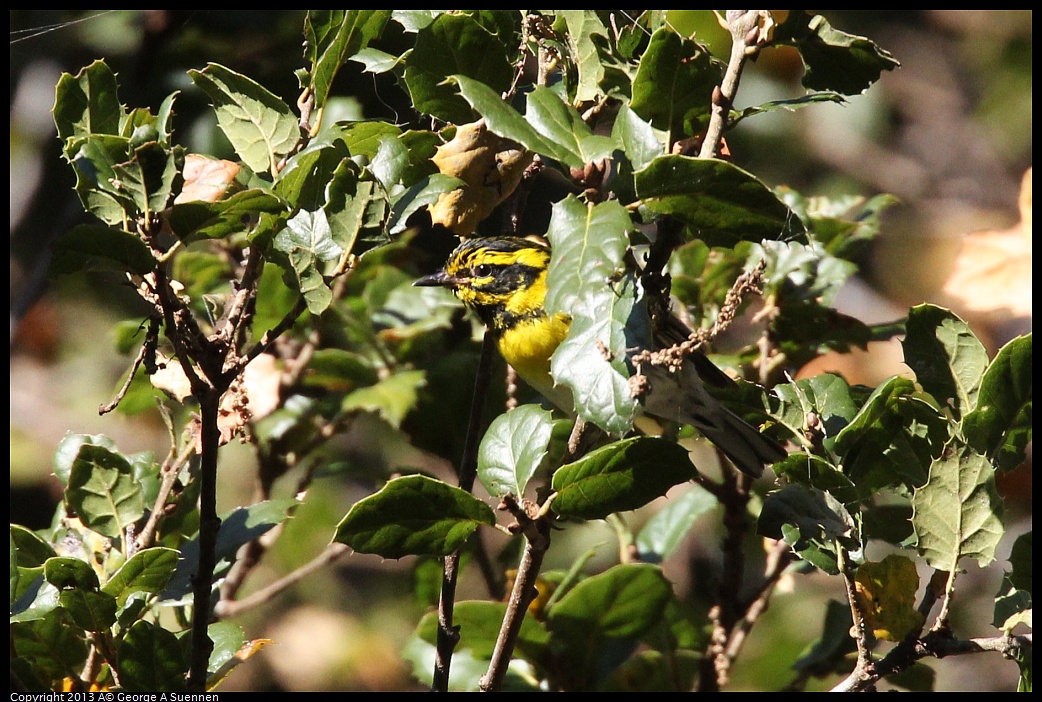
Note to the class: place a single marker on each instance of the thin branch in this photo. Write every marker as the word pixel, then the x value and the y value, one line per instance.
pixel 778 560
pixel 209 525
pixel 865 666
pixel 169 470
pixel 744 42
pixel 537 541
pixel 448 633
pixel 229 608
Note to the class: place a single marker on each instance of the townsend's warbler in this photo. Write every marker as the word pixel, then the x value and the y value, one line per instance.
pixel 503 280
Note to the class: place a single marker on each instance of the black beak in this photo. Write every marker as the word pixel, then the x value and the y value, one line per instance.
pixel 441 278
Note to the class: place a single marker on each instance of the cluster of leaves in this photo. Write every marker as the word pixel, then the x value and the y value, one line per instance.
pixel 315 225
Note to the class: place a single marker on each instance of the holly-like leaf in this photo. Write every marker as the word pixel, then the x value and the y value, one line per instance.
pixel 716 199
pixel 413 515
pixel 946 356
pixel 146 571
pixel 619 477
pixel 87 103
pixel 957 511
pixel 834 60
pixel 513 448
pixel 1000 424
pixel 307 241
pixel 333 36
pixel 608 318
pixel 674 84
pixel 450 45
pixel 259 125
pixel 103 490
pixel 814 523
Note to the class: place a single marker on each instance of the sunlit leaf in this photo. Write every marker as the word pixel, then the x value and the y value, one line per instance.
pixel 260 126
pixel 513 448
pixel 957 512
pixel 413 515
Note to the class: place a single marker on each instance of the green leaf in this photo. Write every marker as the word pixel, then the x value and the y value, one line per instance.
pixel 391 398
pixel 103 491
pixel 619 477
pixel 1000 424
pixel 716 199
pixel 228 640
pixel 957 511
pixel 834 60
pixel 666 530
pixel 91 611
pixel 333 36
pixel 151 659
pixel 790 105
pixel 68 450
pixel 1013 601
pixel 608 319
pixel 946 356
pixel 356 211
pixel 65 572
pixel 27 548
pixel 640 141
pixel 594 626
pixel 513 447
pixel 825 395
pixel 814 523
pixel 53 646
pixel 376 61
pixel 146 571
pixel 423 193
pixel 673 88
pixel 192 221
pixel 307 241
pixel 817 472
pixel 86 104
pixel 261 128
pixel 454 44
pixel 892 439
pixel 413 515
pixel 93 247
pixel 582 27
pixel 549 127
pixel 557 121
pixel 117 182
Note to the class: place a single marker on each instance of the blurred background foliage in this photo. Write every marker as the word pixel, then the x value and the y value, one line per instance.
pixel 948 133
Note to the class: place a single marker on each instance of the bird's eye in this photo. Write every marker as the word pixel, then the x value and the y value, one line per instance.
pixel 482 270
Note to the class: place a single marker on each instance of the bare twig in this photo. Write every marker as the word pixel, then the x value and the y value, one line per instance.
pixel 745 41
pixel 230 608
pixel 448 634
pixel 537 541
pixel 865 666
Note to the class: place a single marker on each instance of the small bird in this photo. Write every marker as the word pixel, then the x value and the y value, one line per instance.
pixel 503 280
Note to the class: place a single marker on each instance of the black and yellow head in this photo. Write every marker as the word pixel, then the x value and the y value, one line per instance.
pixel 503 279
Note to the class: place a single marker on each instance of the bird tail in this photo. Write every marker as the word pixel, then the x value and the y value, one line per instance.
pixel 740 441
pixel 689 402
